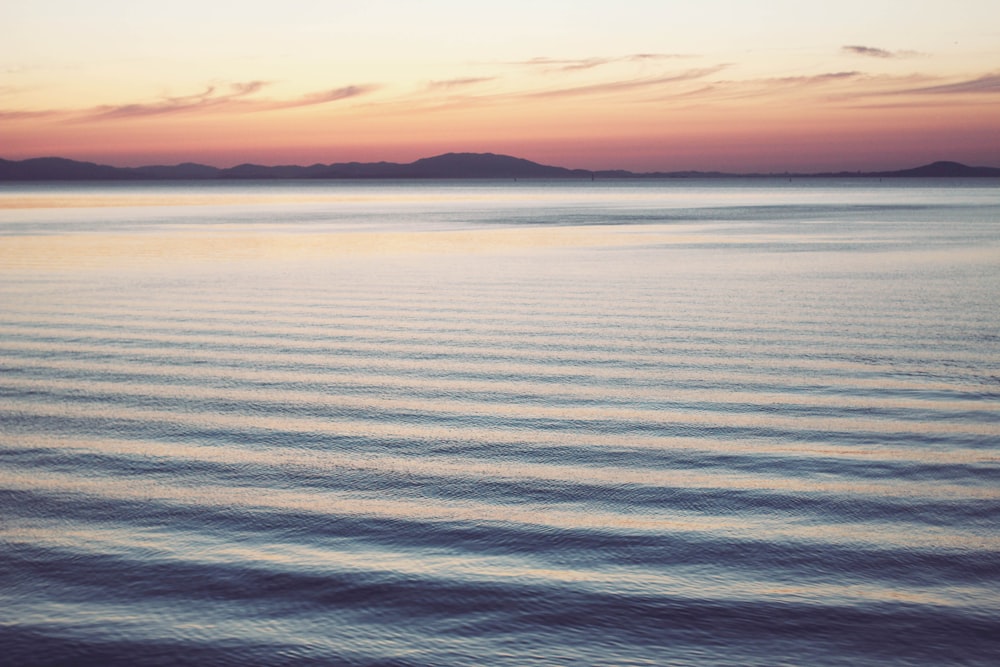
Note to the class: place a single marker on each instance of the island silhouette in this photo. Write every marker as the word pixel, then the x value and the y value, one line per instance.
pixel 446 166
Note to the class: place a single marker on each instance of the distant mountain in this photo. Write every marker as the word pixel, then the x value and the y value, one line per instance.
pixel 447 166
pixel 56 169
pixel 945 170
pixel 487 165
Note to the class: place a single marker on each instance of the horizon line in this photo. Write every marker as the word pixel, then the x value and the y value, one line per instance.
pixel 487 154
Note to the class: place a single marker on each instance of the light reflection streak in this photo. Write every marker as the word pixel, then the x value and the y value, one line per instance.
pixel 202 386
pixel 472 343
pixel 688 366
pixel 668 414
pixel 102 251
pixel 331 458
pixel 346 556
pixel 330 503
pixel 701 445
pixel 442 410
pixel 301 383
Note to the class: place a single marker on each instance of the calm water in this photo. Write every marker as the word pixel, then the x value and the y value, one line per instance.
pixel 635 423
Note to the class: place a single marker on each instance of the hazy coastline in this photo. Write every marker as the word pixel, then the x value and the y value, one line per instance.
pixel 445 166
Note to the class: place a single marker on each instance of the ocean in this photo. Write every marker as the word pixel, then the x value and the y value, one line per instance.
pixel 457 423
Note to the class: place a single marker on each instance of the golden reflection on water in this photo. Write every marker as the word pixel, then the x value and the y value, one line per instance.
pixel 106 250
pixel 260 240
pixel 130 196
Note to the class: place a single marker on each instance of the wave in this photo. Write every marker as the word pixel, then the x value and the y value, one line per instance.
pixel 778 451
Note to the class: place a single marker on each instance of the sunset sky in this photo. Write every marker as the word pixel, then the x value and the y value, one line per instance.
pixel 731 85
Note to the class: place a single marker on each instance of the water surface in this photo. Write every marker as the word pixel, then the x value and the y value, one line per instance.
pixel 723 422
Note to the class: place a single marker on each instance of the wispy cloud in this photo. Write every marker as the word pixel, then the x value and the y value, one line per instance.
pixel 767 88
pixel 989 83
pixel 814 79
pixel 821 83
pixel 636 57
pixel 576 64
pixel 210 97
pixel 461 93
pixel 322 97
pixel 626 84
pixel 451 84
pixel 565 65
pixel 233 97
pixel 8 114
pixel 869 51
pixel 890 90
pixel 874 52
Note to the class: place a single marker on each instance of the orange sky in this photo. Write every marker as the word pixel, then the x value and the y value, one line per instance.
pixel 643 85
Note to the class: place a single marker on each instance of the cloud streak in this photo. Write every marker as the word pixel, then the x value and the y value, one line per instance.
pixel 207 99
pixel 989 83
pixel 577 64
pixel 970 91
pixel 815 79
pixel 6 114
pixel 766 89
pixel 452 84
pixel 624 85
pixel 322 97
pixel 875 52
pixel 234 97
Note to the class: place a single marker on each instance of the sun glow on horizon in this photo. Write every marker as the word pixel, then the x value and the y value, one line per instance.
pixel 642 86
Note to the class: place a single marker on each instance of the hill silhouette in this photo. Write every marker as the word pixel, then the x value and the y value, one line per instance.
pixel 446 166
pixel 946 169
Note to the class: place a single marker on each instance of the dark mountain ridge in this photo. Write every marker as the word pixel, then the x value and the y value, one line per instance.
pixel 446 166
pixel 939 169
